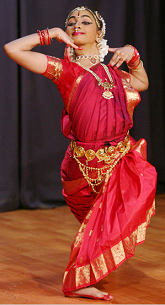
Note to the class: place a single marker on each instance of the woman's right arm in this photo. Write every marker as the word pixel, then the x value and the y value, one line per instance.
pixel 20 50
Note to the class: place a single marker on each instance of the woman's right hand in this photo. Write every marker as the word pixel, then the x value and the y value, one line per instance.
pixel 62 36
pixel 19 50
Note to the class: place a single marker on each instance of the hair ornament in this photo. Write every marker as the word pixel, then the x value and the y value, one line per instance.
pixel 103 22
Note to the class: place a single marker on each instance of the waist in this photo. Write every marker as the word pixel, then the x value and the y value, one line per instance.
pixel 106 153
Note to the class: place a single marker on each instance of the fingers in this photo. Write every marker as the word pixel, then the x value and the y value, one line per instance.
pixel 61 36
pixel 112 50
pixel 118 58
pixel 70 43
pixel 76 47
pixel 67 54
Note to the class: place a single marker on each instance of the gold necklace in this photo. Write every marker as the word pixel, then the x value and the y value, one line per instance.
pixel 92 58
pixel 107 94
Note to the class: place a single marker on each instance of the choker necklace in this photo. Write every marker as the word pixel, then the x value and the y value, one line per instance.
pixel 106 85
pixel 92 58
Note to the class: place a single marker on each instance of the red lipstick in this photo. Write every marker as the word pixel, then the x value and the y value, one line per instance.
pixel 77 33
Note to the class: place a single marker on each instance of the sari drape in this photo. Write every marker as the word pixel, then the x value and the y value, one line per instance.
pixel 113 219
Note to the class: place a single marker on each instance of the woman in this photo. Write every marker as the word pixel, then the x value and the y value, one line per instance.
pixel 107 182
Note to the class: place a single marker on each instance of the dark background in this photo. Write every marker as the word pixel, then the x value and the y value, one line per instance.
pixel 31 143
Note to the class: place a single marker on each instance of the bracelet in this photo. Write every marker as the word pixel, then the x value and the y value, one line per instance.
pixel 41 38
pixel 45 38
pixel 135 60
pixel 48 31
pixel 139 68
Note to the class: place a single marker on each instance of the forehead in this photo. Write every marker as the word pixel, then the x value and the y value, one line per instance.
pixel 81 13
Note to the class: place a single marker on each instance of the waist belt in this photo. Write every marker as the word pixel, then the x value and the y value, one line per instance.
pixel 95 176
pixel 106 154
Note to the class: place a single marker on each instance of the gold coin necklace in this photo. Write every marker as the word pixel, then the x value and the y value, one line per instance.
pixel 107 94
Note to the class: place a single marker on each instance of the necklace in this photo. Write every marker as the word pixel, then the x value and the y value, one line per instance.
pixel 92 58
pixel 106 85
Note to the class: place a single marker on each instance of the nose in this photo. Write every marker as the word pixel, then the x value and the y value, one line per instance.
pixel 77 25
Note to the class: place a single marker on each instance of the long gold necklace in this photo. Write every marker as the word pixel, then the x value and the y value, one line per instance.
pixel 107 94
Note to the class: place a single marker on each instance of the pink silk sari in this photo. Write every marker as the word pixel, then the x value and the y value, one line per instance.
pixel 113 220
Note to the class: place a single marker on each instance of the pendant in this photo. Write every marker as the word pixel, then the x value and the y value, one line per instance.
pixel 93 60
pixel 107 94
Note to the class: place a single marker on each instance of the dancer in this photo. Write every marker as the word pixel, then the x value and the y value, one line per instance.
pixel 107 182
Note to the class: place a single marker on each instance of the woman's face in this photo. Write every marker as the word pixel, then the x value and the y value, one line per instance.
pixel 82 28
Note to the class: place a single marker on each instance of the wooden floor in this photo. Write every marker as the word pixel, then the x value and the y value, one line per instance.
pixel 35 248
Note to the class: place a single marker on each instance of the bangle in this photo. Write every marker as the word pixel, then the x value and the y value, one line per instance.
pixel 138 65
pixel 41 38
pixel 44 36
pixel 48 31
pixel 134 65
pixel 135 60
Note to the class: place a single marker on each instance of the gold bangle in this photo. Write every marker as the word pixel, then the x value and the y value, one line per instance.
pixel 139 68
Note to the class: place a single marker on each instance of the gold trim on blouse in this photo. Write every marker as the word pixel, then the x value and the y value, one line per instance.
pixel 54 68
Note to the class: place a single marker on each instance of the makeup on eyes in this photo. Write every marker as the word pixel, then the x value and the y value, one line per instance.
pixel 86 22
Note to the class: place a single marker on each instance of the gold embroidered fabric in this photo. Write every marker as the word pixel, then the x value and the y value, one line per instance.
pixel 108 260
pixel 74 89
pixel 133 96
pixel 54 68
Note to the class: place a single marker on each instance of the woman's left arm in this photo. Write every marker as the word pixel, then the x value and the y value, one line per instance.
pixel 139 78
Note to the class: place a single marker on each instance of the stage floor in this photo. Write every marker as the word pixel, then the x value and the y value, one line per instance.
pixel 35 248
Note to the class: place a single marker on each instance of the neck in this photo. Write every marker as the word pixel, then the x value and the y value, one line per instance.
pixel 89 56
pixel 87 50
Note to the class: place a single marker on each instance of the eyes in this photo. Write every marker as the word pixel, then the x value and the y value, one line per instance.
pixel 72 23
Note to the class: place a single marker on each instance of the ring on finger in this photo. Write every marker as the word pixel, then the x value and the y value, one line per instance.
pixel 121 59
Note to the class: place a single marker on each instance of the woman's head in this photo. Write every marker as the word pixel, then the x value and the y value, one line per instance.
pixel 96 16
pixel 87 28
pixel 83 26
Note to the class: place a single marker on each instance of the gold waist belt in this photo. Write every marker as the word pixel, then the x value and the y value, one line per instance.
pixel 110 155
pixel 106 154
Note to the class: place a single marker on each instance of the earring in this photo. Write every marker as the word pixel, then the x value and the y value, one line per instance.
pixel 98 39
pixel 102 47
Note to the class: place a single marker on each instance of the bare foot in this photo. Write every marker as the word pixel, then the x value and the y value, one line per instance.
pixel 90 292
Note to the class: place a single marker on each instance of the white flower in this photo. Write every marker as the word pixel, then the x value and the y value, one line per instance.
pixel 103 49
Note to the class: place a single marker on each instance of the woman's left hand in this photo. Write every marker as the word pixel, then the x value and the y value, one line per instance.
pixel 120 55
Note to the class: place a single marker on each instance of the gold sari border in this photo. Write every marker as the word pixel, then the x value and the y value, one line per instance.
pixel 132 95
pixel 108 261
pixel 74 89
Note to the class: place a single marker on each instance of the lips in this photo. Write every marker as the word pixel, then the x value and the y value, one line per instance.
pixel 77 33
